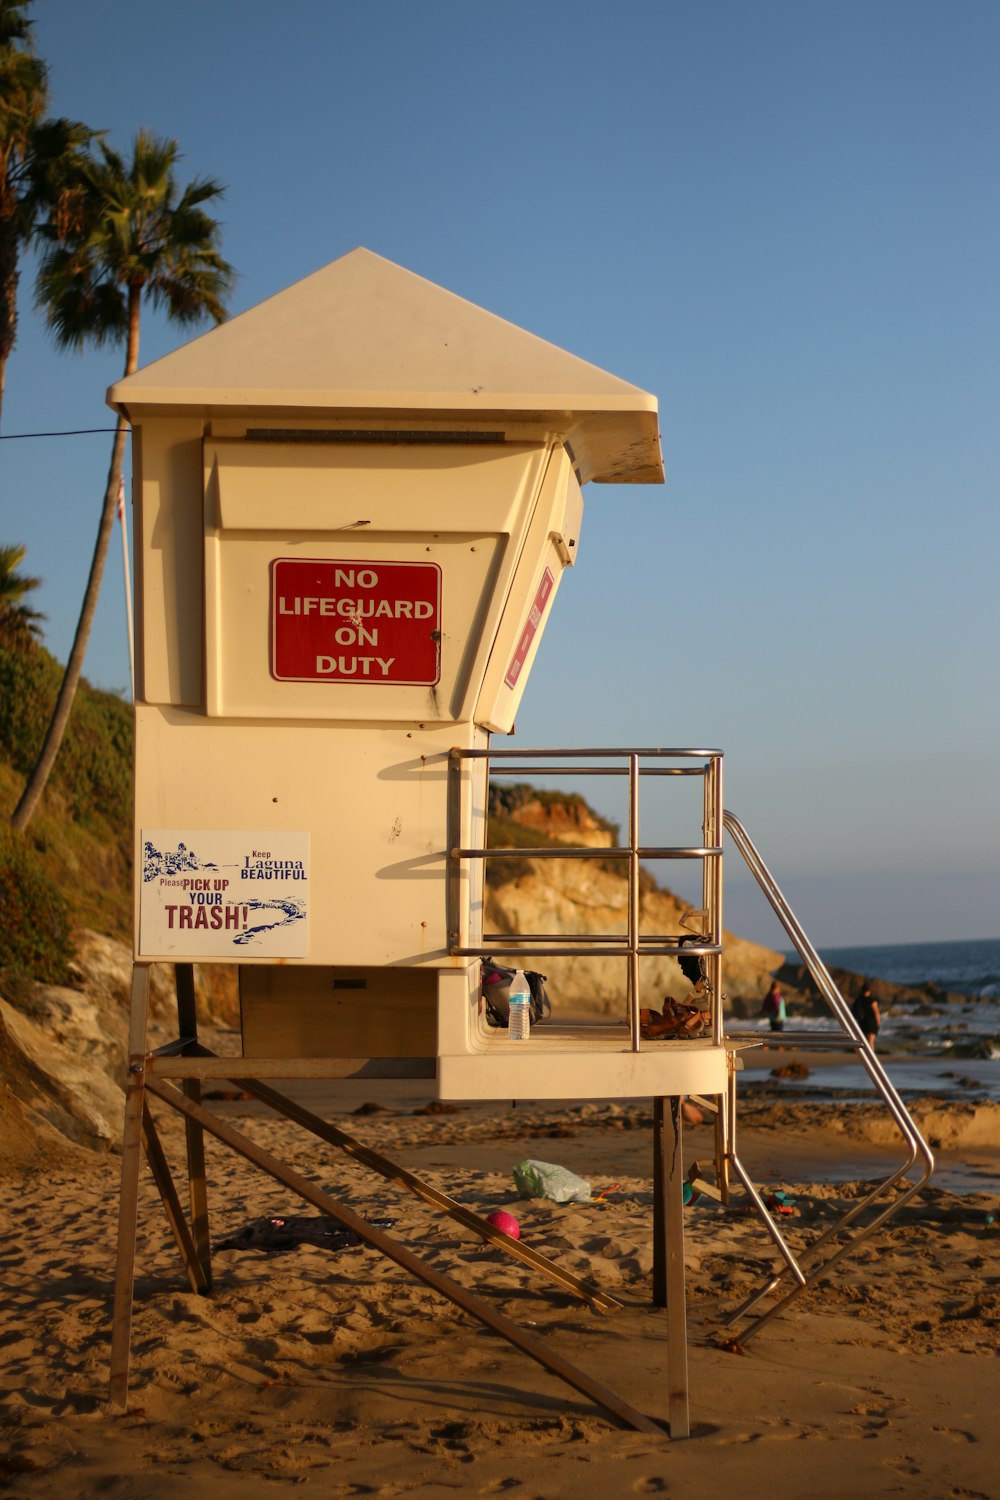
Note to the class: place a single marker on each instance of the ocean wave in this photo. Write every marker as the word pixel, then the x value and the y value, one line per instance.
pixel 964 968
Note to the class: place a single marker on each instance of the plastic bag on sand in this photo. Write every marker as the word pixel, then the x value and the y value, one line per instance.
pixel 543 1179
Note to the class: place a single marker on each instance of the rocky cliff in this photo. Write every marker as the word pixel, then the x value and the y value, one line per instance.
pixel 63 1052
pixel 572 896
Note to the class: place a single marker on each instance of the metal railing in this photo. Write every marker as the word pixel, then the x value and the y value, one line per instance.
pixel 815 1253
pixel 632 944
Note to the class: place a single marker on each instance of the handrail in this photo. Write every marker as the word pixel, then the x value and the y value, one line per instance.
pixel 579 753
pixel 917 1145
pixel 632 944
pixel 585 851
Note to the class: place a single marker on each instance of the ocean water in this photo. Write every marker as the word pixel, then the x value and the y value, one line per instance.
pixel 970 968
pixel 935 1045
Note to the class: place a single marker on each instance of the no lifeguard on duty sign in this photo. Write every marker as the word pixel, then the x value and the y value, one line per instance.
pixel 355 621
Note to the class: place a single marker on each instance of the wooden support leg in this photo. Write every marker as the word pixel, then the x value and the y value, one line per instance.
pixel 722 1120
pixel 397 1252
pixel 128 1208
pixel 730 1138
pixel 171 1202
pixel 401 1178
pixel 668 1252
pixel 659 1216
pixel 187 1021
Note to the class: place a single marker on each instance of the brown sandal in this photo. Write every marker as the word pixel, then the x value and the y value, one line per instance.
pixel 675 1020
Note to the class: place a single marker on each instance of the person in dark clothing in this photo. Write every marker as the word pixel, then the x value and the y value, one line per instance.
pixel 866 1012
pixel 774 1007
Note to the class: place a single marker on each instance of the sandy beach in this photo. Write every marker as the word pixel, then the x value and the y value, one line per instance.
pixel 340 1372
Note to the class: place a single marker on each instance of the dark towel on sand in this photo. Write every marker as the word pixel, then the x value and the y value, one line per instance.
pixel 288 1231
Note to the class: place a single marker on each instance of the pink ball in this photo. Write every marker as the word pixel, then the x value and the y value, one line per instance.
pixel 505 1222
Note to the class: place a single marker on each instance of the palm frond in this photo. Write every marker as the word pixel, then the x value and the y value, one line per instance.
pixel 138 235
pixel 20 626
pixel 79 308
pixel 15 23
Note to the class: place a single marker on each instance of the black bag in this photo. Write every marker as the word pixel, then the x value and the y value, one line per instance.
pixel 692 964
pixel 496 984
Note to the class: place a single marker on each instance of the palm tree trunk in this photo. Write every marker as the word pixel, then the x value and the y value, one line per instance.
pixel 74 666
pixel 8 302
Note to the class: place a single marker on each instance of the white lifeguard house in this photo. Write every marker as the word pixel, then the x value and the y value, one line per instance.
pixel 354 506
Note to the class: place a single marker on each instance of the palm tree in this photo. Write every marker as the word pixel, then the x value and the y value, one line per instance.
pixel 141 239
pixel 19 623
pixel 38 162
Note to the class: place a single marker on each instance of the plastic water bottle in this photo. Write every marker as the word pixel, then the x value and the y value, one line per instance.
pixel 519 1025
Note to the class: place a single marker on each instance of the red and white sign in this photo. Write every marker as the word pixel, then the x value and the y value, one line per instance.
pixel 530 629
pixel 355 621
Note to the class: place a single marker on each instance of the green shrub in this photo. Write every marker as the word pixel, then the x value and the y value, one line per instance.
pixel 504 830
pixel 35 930
pixel 504 833
pixel 29 681
pixel 505 801
pixel 93 769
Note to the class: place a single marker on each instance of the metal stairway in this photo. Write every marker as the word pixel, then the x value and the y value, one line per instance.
pixel 795 1271
pixel 842 1238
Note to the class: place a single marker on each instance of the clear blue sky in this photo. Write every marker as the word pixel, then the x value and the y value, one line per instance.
pixel 781 218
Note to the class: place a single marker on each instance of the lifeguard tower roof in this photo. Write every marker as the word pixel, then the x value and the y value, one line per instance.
pixel 363 337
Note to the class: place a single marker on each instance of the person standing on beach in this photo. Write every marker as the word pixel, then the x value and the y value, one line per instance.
pixel 866 1012
pixel 774 1007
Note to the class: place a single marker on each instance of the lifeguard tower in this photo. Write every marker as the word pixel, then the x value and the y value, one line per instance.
pixel 354 507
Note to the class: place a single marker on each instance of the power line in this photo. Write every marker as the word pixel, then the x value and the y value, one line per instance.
pixel 8 437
